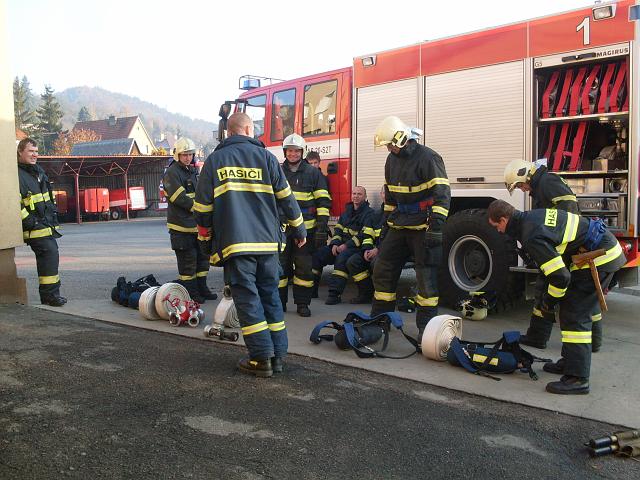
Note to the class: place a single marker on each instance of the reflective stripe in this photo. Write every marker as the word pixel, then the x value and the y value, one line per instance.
pixel 367 241
pixel 251 329
pixel 276 327
pixel 358 277
pixel 175 195
pixel 283 282
pixel 340 273
pixel 426 302
pixel 563 198
pixel 186 277
pixel 35 198
pixel 203 239
pixel 284 193
pixel 368 231
pixel 612 254
pixel 440 210
pixel 537 312
pixel 202 208
pixel 203 273
pixel 49 280
pixel 191 195
pixel 23 213
pixel 552 265
pixel 315 272
pixel 321 194
pixel 482 358
pixel 302 283
pixel 576 337
pixel 42 232
pixel 356 241
pixel 597 317
pixel 249 247
pixel 418 188
pixel 297 222
pixel 570 232
pixel 556 292
pixel 309 224
pixel 178 228
pixel 303 196
pixel 242 187
pixel 389 208
pixel 322 211
pixel 384 296
pixel 407 227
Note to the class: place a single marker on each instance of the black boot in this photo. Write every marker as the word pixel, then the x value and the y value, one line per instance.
pixel 362 298
pixel 204 291
pixel 333 299
pixel 569 385
pixel 277 364
pixel 192 288
pixel 316 286
pixel 533 342
pixel 259 367
pixel 303 310
pixel 556 368
pixel 53 300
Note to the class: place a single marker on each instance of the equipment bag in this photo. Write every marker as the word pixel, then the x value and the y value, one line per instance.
pixel 359 330
pixel 502 356
pixel 123 289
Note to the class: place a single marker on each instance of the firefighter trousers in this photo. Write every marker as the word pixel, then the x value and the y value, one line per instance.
pixel 47 261
pixel 192 263
pixel 340 275
pixel 396 248
pixel 296 269
pixel 360 269
pixel 254 287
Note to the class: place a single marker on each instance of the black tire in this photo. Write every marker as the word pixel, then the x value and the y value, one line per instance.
pixel 477 258
pixel 116 214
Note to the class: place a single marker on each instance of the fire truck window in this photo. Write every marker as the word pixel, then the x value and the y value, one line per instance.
pixel 282 114
pixel 255 108
pixel 320 108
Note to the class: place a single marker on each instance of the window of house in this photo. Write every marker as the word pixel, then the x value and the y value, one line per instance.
pixel 320 108
pixel 283 114
pixel 255 108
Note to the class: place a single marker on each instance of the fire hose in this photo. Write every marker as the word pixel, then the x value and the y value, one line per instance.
pixel 438 334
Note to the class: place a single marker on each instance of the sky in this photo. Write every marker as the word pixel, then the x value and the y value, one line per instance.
pixel 186 56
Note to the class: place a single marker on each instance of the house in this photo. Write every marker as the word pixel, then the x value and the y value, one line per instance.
pixel 114 128
pixel 105 148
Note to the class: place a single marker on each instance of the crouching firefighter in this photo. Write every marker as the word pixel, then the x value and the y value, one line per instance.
pixel 551 237
pixel 417 198
pixel 179 183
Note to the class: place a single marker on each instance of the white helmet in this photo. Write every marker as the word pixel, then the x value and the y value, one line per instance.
pixel 518 171
pixel 295 141
pixel 392 131
pixel 184 145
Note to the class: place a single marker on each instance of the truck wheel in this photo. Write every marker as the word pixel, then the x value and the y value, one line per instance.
pixel 116 214
pixel 476 258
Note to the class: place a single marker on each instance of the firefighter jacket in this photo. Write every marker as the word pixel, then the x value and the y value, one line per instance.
pixel 417 193
pixel 372 229
pixel 239 192
pixel 549 190
pixel 349 228
pixel 38 210
pixel 179 183
pixel 310 189
pixel 551 237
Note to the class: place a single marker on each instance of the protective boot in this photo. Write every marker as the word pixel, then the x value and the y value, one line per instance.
pixel 365 292
pixel 53 300
pixel 316 286
pixel 569 385
pixel 333 299
pixel 303 310
pixel 259 367
pixel 192 288
pixel 556 368
pixel 203 289
pixel 277 364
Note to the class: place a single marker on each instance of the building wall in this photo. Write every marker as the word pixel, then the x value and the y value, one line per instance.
pixel 140 135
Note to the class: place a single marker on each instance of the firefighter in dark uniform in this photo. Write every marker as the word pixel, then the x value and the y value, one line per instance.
pixel 39 221
pixel 547 190
pixel 179 183
pixel 550 237
pixel 346 240
pixel 239 196
pixel 417 197
pixel 310 189
pixel 360 265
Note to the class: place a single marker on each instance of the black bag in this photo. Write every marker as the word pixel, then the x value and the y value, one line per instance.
pixel 123 289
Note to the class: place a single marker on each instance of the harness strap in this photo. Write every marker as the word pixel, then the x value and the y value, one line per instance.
pixel 595 233
pixel 615 91
pixel 588 106
pixel 415 207
pixel 552 137
pixel 603 104
pixel 566 84
pixel 625 106
pixel 575 91
pixel 558 157
pixel 578 144
pixel 549 92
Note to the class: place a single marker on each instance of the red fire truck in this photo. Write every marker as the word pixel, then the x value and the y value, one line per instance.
pixel 563 87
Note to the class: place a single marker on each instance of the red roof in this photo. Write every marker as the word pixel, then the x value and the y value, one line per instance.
pixel 121 129
pixel 20 135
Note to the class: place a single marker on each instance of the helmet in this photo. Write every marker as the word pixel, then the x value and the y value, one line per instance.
pixel 392 131
pixel 183 145
pixel 518 171
pixel 295 141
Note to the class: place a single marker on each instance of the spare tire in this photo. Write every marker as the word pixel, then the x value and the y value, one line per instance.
pixel 476 257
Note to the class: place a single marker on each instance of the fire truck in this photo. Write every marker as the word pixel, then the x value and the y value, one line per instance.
pixel 561 89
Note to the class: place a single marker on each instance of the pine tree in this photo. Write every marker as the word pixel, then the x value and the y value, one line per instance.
pixel 23 104
pixel 49 115
pixel 84 115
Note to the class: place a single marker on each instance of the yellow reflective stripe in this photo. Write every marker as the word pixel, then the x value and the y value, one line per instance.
pixel 214 259
pixel 251 329
pixel 249 247
pixel 316 272
pixel 562 198
pixel 309 224
pixel 297 222
pixel 276 327
pixel 203 239
pixel 368 231
pixel 23 213
pixel 51 279
pixel 191 195
pixel 552 265
pixel 321 194
pixel 356 241
pixel 482 358
pixel 303 196
pixel 284 193
pixel 367 241
pixel 173 197
pixel 358 277
pixel 242 187
pixel 202 208
pixel 32 199
pixel 351 231
pixel 340 273
pixel 283 282
pixel 426 302
pixel 302 283
pixel 611 254
pixel 178 228
pixel 537 312
pixel 389 208
pixel 597 317
pixel 556 292
pixel 569 336
pixel 407 227
pixel 42 232
pixel 440 210
pixel 378 232
pixel 384 296
pixel 186 277
pixel 203 273
pixel 322 211
pixel 418 188
pixel 570 232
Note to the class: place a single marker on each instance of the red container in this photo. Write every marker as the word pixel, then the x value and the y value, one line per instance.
pixel 94 200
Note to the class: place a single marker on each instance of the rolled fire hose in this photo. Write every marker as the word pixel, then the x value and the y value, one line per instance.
pixel 438 334
pixel 173 291
pixel 147 304
pixel 226 313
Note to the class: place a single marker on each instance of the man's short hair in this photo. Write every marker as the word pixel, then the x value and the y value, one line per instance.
pixel 313 155
pixel 237 122
pixel 500 209
pixel 26 141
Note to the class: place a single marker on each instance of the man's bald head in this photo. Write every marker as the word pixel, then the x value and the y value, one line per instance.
pixel 240 124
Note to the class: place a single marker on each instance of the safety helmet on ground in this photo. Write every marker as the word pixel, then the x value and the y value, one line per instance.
pixel 517 171
pixel 183 145
pixel 392 131
pixel 295 141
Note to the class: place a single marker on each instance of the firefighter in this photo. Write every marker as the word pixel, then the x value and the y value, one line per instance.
pixel 310 189
pixel 360 265
pixel 547 190
pixel 239 196
pixel 417 197
pixel 346 240
pixel 179 184
pixel 550 237
pixel 39 221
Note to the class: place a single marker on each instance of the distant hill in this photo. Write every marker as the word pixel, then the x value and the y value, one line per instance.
pixel 101 103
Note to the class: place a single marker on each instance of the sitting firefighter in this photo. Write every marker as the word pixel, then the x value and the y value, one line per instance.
pixel 551 237
pixel 179 183
pixel 346 241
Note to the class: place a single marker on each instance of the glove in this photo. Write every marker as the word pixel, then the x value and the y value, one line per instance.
pixel 320 239
pixel 433 239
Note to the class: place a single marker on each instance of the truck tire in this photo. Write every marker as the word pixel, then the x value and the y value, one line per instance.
pixel 116 214
pixel 477 258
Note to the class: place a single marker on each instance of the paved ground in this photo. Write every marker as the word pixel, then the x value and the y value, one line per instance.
pixel 85 399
